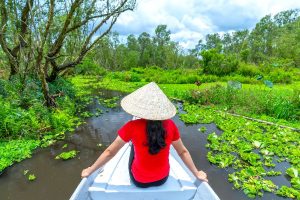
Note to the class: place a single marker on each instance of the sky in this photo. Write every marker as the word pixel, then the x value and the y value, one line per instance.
pixel 190 20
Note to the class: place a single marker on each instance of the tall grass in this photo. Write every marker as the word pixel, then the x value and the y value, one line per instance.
pixel 269 102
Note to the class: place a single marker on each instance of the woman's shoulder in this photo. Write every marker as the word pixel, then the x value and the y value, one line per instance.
pixel 137 121
pixel 169 122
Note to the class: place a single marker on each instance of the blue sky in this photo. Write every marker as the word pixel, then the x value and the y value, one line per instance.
pixel 191 20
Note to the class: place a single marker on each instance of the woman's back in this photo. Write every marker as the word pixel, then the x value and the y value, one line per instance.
pixel 147 167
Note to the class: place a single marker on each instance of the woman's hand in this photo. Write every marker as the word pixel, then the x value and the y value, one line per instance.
pixel 86 172
pixel 201 175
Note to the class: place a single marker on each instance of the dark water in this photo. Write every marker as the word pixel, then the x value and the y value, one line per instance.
pixel 56 179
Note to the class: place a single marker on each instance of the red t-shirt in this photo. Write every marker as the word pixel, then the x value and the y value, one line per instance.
pixel 146 167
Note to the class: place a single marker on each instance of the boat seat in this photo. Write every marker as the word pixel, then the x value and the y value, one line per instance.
pixel 113 182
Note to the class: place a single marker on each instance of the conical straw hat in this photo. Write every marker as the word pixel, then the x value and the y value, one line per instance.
pixel 149 102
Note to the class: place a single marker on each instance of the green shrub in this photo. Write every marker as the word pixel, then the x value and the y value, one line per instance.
pixel 208 78
pixel 248 70
pixel 89 67
pixel 217 63
pixel 279 75
pixel 239 78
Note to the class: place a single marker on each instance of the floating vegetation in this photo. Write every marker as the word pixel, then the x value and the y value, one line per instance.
pixel 86 114
pixel 250 148
pixel 98 112
pixel 25 172
pixel 109 103
pixel 202 129
pixel 64 146
pixel 15 150
pixel 31 177
pixel 288 192
pixel 67 155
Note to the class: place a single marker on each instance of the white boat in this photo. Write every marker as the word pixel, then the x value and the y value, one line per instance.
pixel 112 182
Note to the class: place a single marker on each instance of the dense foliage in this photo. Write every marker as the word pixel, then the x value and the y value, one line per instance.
pixel 271 45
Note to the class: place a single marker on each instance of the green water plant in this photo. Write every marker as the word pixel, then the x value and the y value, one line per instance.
pixel 67 155
pixel 250 148
pixel 31 177
pixel 202 129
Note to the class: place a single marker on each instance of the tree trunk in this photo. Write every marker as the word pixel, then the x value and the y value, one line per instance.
pixel 13 71
pixel 53 75
pixel 50 102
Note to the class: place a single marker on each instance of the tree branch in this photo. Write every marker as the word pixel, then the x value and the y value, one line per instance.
pixel 23 27
pixel 3 43
pixel 62 35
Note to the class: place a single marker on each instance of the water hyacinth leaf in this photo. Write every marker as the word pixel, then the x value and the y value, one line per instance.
pixel 67 155
pixel 273 173
pixel 268 186
pixel 288 192
pixel 25 172
pixel 221 159
pixel 266 152
pixel 31 177
pixel 296 182
pixel 292 172
pixel 256 144
pixel 268 83
pixel 234 84
pixel 202 129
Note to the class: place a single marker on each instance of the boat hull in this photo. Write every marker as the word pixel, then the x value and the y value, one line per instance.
pixel 112 182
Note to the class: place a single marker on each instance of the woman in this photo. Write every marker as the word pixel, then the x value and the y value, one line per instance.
pixel 151 137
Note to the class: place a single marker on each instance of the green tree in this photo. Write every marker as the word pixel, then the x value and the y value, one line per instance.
pixel 50 39
pixel 161 40
pixel 146 47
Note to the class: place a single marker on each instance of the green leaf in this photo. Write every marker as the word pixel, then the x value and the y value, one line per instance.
pixel 202 129
pixel 31 177
pixel 25 171
pixel 292 172
pixel 67 155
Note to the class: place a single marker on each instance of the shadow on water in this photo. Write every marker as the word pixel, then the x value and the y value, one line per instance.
pixel 57 179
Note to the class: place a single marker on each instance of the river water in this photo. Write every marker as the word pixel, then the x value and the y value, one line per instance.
pixel 57 179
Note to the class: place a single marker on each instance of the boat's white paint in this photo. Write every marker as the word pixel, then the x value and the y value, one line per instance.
pixel 113 182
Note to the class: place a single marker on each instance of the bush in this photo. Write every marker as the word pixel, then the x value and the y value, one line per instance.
pixel 279 75
pixel 208 78
pixel 248 70
pixel 239 78
pixel 218 64
pixel 89 67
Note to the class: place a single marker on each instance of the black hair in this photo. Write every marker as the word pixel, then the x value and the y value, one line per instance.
pixel 156 135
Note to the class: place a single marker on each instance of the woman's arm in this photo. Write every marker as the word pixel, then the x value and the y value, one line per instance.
pixel 187 159
pixel 108 154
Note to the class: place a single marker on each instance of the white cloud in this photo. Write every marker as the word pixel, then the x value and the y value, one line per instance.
pixel 191 20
